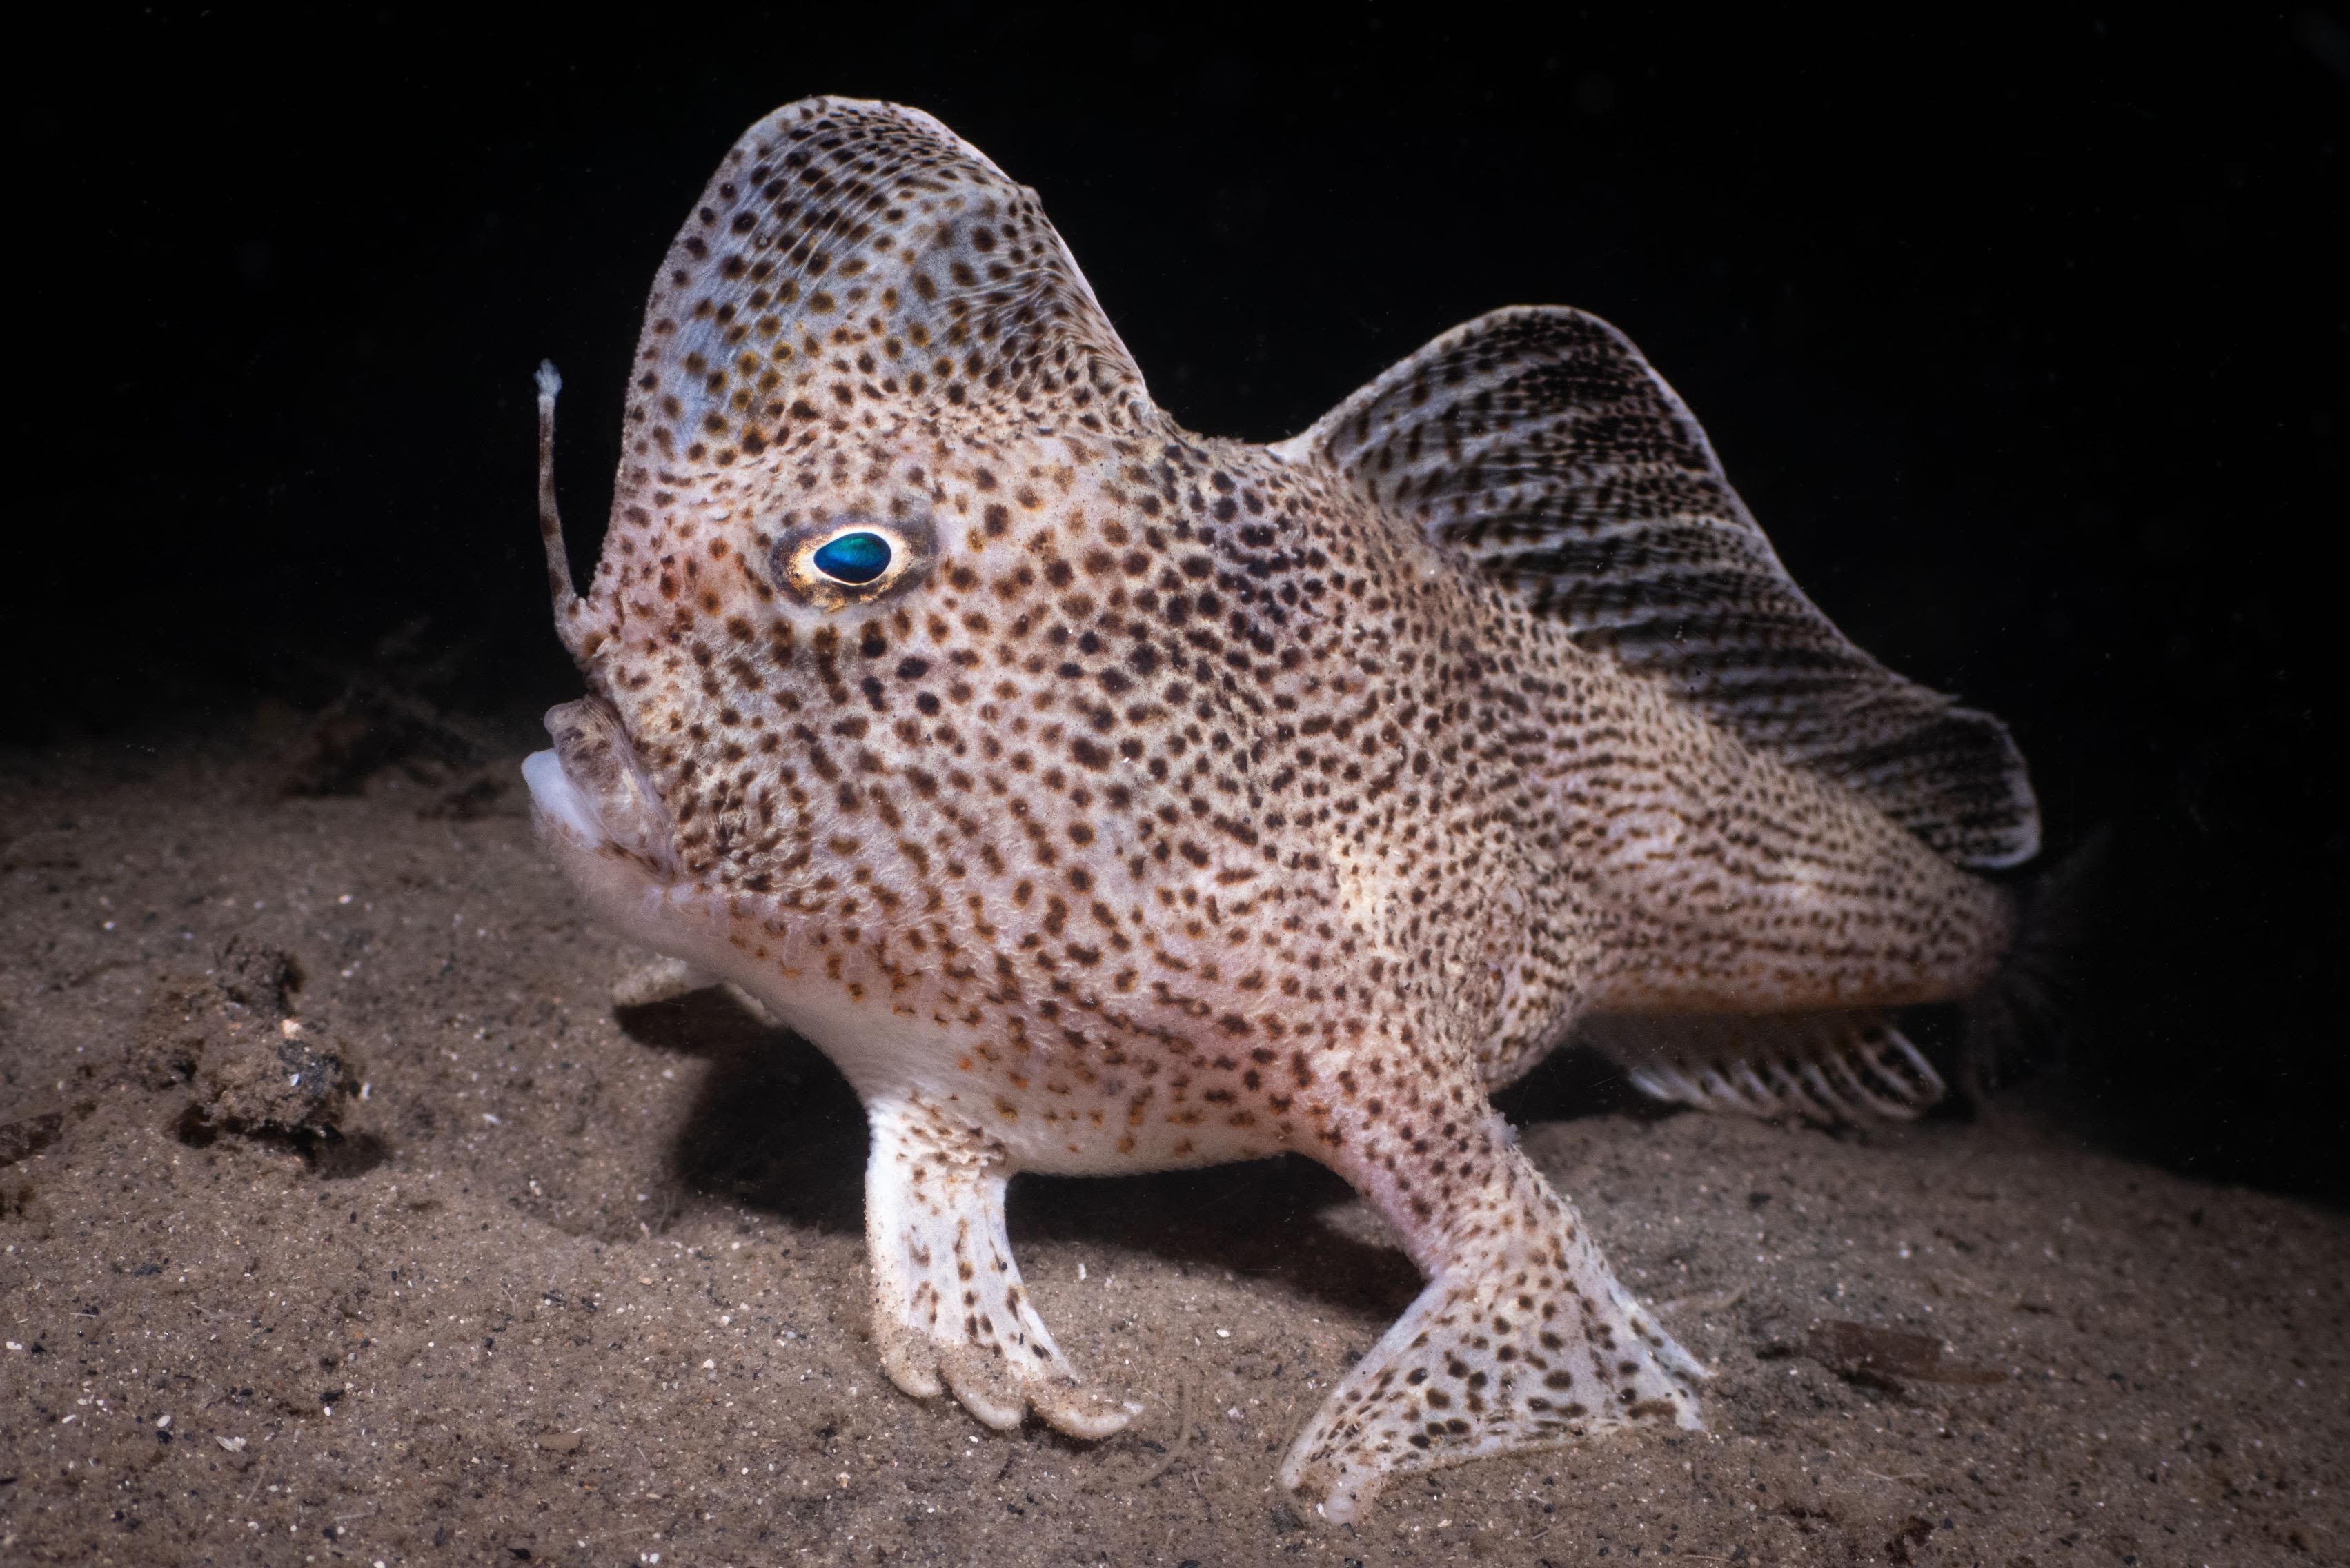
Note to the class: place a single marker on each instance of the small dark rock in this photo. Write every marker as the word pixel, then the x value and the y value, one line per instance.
pixel 28 1136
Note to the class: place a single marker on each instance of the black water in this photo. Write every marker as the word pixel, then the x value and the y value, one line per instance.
pixel 2027 345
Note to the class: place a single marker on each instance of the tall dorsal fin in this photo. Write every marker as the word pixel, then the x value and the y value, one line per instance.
pixel 852 257
pixel 1538 443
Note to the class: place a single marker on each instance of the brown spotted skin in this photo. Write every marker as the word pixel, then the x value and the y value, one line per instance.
pixel 1163 804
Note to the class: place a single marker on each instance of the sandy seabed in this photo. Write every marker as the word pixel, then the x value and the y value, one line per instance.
pixel 506 1275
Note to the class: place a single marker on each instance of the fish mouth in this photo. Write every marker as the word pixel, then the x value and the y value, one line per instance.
pixel 590 792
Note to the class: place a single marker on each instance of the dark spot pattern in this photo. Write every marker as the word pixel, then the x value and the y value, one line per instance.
pixel 1540 444
pixel 1169 800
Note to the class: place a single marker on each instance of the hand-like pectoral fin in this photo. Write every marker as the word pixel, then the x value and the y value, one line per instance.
pixel 949 1308
pixel 1523 1339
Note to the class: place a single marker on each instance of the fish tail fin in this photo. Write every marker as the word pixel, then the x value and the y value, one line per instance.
pixel 2027 1018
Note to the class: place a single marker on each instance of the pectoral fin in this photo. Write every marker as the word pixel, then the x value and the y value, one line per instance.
pixel 1523 1339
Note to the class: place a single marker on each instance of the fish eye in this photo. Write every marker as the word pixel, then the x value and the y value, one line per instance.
pixel 851 554
pixel 854 558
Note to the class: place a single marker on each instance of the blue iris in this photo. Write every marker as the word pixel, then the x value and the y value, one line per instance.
pixel 854 557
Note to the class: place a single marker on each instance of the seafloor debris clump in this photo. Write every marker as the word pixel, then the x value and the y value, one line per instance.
pixel 230 1033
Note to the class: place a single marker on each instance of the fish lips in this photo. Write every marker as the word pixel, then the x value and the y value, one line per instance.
pixel 590 793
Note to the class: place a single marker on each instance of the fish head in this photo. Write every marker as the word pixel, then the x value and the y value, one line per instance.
pixel 874 485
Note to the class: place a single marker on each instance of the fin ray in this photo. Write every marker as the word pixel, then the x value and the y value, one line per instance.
pixel 1536 442
pixel 1843 1067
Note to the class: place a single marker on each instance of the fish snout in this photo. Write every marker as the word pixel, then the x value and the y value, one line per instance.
pixel 590 793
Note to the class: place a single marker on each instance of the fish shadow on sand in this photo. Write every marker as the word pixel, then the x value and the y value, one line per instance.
pixel 773 1127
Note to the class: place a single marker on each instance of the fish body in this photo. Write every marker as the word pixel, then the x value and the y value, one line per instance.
pixel 1102 798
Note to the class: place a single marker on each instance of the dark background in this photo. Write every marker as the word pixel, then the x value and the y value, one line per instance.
pixel 2027 344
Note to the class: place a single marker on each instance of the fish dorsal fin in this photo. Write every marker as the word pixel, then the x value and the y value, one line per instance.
pixel 851 259
pixel 1540 444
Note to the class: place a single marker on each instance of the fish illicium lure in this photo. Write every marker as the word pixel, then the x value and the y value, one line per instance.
pixel 1103 797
